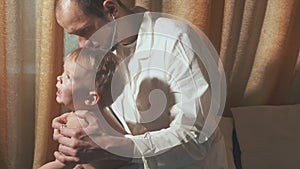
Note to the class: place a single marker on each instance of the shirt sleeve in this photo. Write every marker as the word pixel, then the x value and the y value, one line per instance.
pixel 188 86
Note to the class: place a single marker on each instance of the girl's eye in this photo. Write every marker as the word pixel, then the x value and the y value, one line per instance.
pixel 65 76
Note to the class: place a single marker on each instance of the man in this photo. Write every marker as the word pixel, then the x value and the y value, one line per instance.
pixel 166 130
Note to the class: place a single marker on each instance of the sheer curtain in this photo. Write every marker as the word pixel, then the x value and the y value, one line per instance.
pixel 17 83
pixel 29 62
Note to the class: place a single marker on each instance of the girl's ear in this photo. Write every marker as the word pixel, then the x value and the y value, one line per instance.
pixel 92 99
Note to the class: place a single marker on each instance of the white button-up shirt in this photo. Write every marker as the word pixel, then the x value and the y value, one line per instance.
pixel 161 105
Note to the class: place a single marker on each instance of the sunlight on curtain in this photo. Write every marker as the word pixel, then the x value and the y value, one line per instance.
pixel 276 54
pixel 17 83
pixel 49 52
pixel 30 59
pixel 206 15
pixel 258 43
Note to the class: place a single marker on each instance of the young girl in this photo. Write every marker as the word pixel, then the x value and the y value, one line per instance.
pixel 77 84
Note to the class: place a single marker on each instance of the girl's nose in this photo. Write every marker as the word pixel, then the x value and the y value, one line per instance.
pixel 58 83
pixel 58 78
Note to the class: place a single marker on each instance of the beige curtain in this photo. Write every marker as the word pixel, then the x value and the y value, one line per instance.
pixel 258 42
pixel 17 65
pixel 49 52
pixel 29 61
pixel 261 59
pixel 3 87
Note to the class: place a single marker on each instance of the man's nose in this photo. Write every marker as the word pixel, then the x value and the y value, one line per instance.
pixel 82 41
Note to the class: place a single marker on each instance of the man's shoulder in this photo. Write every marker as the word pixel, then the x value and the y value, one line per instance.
pixel 171 25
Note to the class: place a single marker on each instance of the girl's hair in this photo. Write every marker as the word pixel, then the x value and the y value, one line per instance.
pixel 98 62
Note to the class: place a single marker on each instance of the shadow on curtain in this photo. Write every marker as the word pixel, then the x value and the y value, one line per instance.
pixel 258 43
pixel 49 52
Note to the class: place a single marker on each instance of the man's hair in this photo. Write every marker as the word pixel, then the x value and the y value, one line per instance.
pixel 90 58
pixel 89 7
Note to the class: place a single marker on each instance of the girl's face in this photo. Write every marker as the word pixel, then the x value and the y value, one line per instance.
pixel 64 85
pixel 67 83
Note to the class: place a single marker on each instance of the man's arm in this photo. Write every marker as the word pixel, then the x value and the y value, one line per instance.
pixel 53 165
pixel 59 165
pixel 83 145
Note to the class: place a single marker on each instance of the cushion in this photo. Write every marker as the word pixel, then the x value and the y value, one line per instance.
pixel 269 136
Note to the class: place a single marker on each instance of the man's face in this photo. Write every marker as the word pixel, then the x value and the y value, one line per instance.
pixel 75 22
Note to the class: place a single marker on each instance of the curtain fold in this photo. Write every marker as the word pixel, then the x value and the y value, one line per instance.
pixel 17 84
pixel 293 95
pixel 207 15
pixel 258 43
pixel 276 54
pixel 3 86
pixel 153 6
pixel 241 31
pixel 49 52
pixel 12 77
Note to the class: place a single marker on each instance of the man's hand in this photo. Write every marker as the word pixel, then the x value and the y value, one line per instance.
pixel 90 143
pixel 57 123
pixel 74 143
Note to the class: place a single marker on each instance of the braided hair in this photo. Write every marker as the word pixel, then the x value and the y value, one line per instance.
pixel 104 64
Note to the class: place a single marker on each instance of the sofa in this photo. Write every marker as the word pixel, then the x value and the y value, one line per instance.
pixel 262 137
